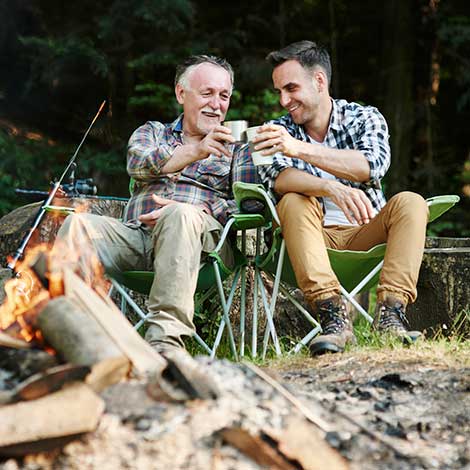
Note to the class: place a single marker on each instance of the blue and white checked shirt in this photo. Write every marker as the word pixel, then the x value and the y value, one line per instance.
pixel 206 183
pixel 352 126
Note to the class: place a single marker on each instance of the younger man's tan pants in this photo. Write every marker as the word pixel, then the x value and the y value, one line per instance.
pixel 401 224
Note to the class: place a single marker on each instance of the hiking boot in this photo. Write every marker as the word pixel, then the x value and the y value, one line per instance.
pixel 165 348
pixel 390 319
pixel 336 324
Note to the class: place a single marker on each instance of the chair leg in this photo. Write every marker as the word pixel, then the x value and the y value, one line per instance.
pixel 225 310
pixel 317 327
pixel 350 297
pixel 202 343
pixel 270 328
pixel 220 331
pixel 242 311
pixel 277 280
pixel 130 301
pixel 254 330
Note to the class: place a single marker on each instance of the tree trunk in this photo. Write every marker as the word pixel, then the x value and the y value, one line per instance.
pixel 444 288
pixel 397 78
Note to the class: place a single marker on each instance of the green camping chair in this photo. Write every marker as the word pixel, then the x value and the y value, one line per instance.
pixel 349 266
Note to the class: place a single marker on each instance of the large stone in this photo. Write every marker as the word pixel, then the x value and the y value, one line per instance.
pixel 443 287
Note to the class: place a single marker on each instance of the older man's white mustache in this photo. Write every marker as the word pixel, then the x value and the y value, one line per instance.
pixel 210 111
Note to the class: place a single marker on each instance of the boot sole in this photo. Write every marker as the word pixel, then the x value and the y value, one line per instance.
pixel 320 348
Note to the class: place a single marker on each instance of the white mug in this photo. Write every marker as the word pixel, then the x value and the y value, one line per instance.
pixel 238 129
pixel 258 158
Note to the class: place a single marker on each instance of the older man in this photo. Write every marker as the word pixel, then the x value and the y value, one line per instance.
pixel 334 155
pixel 183 173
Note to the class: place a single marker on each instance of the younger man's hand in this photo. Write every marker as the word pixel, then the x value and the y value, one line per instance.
pixel 273 138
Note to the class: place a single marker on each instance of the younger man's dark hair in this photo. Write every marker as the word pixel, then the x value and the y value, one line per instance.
pixel 307 53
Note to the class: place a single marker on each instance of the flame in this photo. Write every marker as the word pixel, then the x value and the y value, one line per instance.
pixel 28 292
pixel 24 296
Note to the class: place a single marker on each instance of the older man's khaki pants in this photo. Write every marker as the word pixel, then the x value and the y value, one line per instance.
pixel 401 224
pixel 173 250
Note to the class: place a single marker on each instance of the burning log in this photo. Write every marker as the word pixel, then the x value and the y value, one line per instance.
pixel 10 342
pixel 80 340
pixel 74 335
pixel 43 383
pixel 102 310
pixel 17 365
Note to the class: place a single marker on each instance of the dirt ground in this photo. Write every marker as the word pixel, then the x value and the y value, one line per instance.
pixel 394 408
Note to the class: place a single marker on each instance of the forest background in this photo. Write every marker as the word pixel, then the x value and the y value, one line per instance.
pixel 60 60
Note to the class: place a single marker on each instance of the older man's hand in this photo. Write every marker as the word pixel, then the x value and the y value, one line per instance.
pixel 151 218
pixel 273 138
pixel 213 143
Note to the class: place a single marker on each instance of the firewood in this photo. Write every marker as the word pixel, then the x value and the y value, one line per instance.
pixel 45 382
pixel 143 357
pixel 182 379
pixel 72 410
pixel 301 442
pixel 257 449
pixel 73 334
pixel 107 372
pixel 10 342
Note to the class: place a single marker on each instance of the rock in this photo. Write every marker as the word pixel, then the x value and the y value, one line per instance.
pixel 443 287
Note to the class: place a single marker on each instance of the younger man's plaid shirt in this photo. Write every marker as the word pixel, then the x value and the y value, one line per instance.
pixel 207 182
pixel 352 126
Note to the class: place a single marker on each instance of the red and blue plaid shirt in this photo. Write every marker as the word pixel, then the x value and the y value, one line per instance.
pixel 207 182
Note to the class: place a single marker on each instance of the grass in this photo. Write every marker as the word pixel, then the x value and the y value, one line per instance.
pixel 444 346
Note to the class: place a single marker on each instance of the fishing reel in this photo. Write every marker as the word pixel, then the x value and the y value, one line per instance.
pixel 79 187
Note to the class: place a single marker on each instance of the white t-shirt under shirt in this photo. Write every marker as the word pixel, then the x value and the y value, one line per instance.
pixel 333 214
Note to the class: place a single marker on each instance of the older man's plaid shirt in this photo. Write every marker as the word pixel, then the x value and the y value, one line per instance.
pixel 206 183
pixel 352 126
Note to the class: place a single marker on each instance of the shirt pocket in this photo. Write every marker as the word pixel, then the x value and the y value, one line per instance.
pixel 213 172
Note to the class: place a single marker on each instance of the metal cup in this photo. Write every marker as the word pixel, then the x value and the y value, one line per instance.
pixel 238 129
pixel 258 158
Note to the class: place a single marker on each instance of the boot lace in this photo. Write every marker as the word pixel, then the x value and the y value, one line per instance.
pixel 333 318
pixel 392 317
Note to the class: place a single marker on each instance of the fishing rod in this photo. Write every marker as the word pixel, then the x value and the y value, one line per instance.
pixel 20 251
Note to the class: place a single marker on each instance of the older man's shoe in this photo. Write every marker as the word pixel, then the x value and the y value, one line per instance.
pixel 336 325
pixel 390 319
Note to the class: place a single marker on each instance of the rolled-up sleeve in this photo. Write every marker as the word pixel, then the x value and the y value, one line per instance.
pixel 243 168
pixel 373 142
pixel 148 151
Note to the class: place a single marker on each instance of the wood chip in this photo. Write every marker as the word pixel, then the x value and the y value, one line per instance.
pixel 72 410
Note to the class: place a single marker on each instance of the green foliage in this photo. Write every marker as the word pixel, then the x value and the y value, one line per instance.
pixel 49 56
pixel 154 96
pixel 256 109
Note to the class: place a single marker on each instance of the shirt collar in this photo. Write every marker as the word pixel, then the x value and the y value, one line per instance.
pixel 177 125
pixel 335 117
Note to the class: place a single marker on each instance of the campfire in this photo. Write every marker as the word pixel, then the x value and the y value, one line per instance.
pixel 64 345
pixel 78 342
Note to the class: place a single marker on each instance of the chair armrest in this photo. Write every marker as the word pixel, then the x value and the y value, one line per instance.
pixel 439 204
pixel 249 191
pixel 248 221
